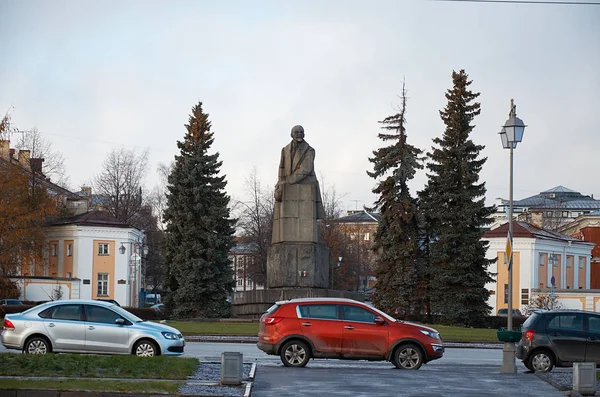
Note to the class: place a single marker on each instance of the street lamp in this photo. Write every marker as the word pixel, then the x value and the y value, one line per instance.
pixel 511 134
pixel 332 269
pixel 135 262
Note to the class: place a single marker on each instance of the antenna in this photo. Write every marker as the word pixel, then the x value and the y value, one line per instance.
pixel 356 203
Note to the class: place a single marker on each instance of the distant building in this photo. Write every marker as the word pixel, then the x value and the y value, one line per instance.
pixel 549 209
pixel 587 227
pixel 357 258
pixel 242 257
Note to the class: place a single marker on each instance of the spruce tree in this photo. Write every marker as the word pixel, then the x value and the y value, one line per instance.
pixel 199 230
pixel 396 239
pixel 453 204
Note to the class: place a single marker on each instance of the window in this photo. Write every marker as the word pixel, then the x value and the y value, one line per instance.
pixel 326 312
pixel 102 249
pixel 367 236
pixel 524 296
pixel 62 312
pixel 240 282
pixel 506 293
pixel 542 259
pixel 97 314
pixel 570 260
pixel 581 262
pixel 570 322
pixel 102 284
pixel 54 250
pixel 354 313
pixel 594 324
pixel 69 249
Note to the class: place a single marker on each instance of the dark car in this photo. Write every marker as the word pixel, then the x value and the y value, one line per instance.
pixel 559 338
pixel 504 313
pixel 10 302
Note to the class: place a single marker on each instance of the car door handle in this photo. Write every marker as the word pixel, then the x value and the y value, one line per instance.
pixel 349 327
pixel 91 327
pixel 306 324
pixel 555 334
pixel 592 338
pixel 51 325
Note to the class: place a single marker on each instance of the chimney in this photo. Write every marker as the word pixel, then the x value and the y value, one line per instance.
pixel 537 219
pixel 4 149
pixel 87 191
pixel 24 159
pixel 36 165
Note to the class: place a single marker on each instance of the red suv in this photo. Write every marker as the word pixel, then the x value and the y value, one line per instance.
pixel 300 329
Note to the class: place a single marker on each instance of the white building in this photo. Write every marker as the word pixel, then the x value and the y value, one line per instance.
pixel 539 256
pixel 83 260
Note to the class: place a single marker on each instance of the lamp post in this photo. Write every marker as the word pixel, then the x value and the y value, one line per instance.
pixel 511 134
pixel 136 248
pixel 332 269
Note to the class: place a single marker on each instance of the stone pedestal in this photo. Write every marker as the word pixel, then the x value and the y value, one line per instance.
pixel 508 359
pixel 252 304
pixel 302 265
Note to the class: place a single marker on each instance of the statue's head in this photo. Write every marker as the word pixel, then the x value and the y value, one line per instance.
pixel 297 133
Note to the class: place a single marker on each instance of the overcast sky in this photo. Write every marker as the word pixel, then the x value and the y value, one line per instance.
pixel 94 76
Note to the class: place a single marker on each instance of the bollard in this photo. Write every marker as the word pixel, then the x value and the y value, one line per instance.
pixel 231 368
pixel 584 378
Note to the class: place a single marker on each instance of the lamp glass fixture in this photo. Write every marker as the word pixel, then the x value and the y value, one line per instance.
pixel 514 128
pixel 122 249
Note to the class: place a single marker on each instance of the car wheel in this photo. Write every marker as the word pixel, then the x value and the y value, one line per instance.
pixel 295 354
pixel 145 348
pixel 541 361
pixel 37 345
pixel 408 356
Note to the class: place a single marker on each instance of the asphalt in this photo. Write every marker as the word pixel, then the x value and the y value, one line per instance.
pixel 352 380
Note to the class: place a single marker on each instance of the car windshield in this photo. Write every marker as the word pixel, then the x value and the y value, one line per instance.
pixel 530 320
pixel 128 315
pixel 384 315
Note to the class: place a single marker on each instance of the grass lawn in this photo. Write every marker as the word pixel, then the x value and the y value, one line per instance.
pixel 96 366
pixel 449 334
pixel 160 387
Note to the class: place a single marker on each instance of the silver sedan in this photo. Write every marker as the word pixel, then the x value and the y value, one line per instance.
pixel 87 326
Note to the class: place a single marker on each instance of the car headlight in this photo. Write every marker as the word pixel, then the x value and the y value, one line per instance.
pixel 170 335
pixel 431 334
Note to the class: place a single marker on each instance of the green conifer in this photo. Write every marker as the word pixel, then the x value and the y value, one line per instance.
pixel 199 230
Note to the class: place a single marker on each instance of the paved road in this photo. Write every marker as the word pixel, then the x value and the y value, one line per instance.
pixel 461 372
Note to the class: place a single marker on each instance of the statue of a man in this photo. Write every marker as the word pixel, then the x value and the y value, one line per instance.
pixel 298 202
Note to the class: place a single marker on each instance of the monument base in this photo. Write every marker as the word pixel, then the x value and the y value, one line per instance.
pixel 304 265
pixel 252 304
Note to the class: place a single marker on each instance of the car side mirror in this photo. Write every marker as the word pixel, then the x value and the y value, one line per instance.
pixel 379 320
pixel 119 321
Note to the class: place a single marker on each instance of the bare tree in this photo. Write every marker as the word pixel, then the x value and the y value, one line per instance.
pixel 255 222
pixel 119 185
pixel 158 197
pixel 333 236
pixel 53 165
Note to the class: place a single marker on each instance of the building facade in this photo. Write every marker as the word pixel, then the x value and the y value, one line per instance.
pixel 539 257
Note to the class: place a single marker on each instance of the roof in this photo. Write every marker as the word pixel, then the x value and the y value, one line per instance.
pixel 558 197
pixel 524 229
pixel 92 218
pixel 361 217
pixel 244 248
pixel 314 300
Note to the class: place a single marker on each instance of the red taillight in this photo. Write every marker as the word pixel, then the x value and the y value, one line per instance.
pixel 272 320
pixel 8 324
pixel 528 335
